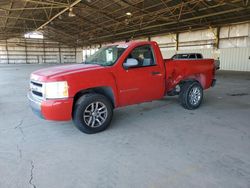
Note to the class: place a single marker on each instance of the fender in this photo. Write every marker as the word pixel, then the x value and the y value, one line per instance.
pixel 201 78
pixel 99 81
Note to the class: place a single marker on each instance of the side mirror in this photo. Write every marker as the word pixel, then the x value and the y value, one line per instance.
pixel 130 62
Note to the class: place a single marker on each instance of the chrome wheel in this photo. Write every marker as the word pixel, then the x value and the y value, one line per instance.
pixel 195 96
pixel 95 114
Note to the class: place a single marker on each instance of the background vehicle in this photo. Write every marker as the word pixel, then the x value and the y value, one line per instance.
pixel 194 56
pixel 116 76
pixel 187 56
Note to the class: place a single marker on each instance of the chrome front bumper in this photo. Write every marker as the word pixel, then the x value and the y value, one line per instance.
pixel 35 105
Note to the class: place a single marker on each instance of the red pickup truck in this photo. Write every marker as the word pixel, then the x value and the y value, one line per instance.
pixel 115 76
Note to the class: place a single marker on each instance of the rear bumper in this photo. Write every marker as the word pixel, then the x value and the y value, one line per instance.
pixel 57 110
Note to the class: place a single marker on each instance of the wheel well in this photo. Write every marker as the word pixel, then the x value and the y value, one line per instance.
pixel 181 83
pixel 106 91
pixel 177 89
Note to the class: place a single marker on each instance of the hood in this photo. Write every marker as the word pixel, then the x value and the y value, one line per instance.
pixel 63 70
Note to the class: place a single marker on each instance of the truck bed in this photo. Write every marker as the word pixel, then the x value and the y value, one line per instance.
pixel 201 70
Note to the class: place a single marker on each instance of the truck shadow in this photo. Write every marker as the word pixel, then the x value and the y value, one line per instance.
pixel 134 113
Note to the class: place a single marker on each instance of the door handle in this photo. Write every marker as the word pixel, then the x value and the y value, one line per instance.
pixel 155 73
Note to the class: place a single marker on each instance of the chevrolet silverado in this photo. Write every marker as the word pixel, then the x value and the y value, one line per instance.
pixel 115 76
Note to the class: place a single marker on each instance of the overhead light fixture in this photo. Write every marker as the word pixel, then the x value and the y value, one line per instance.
pixel 128 13
pixel 127 20
pixel 71 13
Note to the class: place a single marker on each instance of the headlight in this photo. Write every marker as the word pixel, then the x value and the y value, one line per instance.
pixel 56 90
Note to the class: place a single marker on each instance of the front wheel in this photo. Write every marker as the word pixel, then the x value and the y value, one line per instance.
pixel 191 95
pixel 92 113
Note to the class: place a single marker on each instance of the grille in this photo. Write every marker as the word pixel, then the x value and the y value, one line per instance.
pixel 36 89
pixel 37 84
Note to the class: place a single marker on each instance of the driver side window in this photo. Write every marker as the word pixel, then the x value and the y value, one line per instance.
pixel 144 55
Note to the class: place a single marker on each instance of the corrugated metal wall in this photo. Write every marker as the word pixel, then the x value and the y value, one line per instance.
pixel 234 45
pixel 34 51
pixel 233 49
pixel 235 59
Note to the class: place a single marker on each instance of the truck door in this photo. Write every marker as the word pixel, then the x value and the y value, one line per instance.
pixel 144 82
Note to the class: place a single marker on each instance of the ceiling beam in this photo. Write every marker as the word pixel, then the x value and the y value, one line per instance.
pixel 23 18
pixel 6 20
pixel 58 14
pixel 155 14
pixel 174 22
pixel 45 3
pixel 34 8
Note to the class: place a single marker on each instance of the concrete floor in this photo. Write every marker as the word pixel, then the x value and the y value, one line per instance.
pixel 152 145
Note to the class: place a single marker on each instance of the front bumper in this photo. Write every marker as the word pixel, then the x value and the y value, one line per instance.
pixel 35 105
pixel 57 110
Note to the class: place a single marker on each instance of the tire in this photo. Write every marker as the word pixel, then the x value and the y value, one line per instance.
pixel 191 95
pixel 92 113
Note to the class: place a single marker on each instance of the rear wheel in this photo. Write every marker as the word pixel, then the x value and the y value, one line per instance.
pixel 92 113
pixel 191 95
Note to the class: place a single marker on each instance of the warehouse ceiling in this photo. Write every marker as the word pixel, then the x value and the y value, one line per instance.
pixel 85 22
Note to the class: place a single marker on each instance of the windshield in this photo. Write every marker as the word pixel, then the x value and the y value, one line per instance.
pixel 106 56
